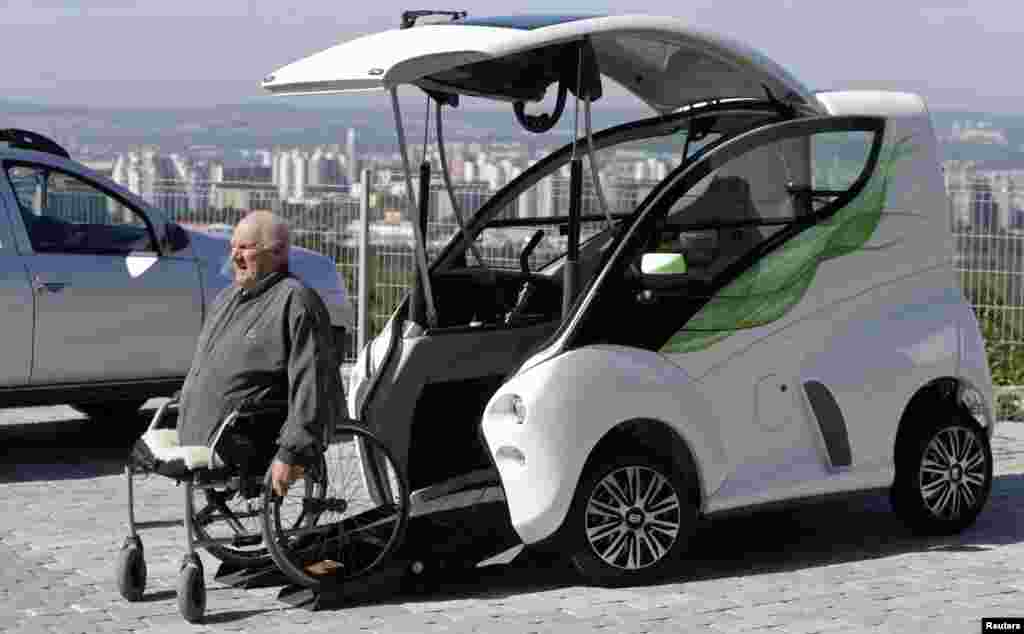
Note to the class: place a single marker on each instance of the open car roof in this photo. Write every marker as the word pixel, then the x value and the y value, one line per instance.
pixel 665 62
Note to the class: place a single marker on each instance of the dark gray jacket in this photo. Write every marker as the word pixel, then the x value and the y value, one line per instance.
pixel 273 343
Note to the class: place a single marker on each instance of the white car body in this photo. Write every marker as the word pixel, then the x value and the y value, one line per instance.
pixel 828 386
pixel 883 324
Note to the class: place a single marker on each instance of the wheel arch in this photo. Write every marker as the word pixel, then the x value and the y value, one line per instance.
pixel 652 437
pixel 937 393
pixel 648 436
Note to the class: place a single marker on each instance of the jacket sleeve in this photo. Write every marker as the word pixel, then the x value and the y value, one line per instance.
pixel 309 356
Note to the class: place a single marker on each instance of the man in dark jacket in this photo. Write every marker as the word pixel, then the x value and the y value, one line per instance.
pixel 267 337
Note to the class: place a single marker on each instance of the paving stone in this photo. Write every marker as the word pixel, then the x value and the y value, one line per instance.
pixel 843 568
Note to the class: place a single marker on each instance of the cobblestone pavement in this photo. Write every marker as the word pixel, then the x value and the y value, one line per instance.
pixel 832 567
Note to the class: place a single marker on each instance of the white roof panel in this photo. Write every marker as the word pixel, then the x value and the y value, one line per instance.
pixel 664 61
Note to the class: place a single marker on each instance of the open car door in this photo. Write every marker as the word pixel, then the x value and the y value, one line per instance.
pixel 665 62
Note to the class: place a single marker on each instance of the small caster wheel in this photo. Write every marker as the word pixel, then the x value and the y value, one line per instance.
pixel 191 589
pixel 131 569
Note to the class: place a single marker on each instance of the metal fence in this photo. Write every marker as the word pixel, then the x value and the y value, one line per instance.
pixel 989 255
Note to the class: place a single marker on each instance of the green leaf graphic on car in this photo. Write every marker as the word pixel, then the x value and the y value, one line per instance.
pixel 773 286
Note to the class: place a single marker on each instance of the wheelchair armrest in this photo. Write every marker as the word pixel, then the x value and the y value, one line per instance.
pixel 247 411
pixel 161 417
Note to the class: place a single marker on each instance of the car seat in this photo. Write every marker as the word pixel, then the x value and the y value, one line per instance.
pixel 726 202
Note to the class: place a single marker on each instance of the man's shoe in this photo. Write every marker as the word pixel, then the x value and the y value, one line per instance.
pixel 322 568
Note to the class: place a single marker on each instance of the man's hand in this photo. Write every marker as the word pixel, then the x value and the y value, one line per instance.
pixel 282 475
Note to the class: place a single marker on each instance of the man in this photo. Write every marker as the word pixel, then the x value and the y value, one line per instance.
pixel 267 337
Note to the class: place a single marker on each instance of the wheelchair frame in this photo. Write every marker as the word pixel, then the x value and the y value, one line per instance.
pixel 201 469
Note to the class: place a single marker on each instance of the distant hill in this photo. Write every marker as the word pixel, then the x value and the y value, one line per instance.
pixel 1009 155
pixel 267 124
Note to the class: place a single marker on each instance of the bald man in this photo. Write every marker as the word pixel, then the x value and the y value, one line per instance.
pixel 267 337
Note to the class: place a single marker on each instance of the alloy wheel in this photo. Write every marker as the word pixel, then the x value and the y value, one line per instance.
pixel 953 473
pixel 633 518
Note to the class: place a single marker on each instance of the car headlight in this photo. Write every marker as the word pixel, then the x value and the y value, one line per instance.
pixel 508 408
pixel 975 404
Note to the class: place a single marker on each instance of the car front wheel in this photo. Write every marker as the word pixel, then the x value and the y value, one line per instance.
pixel 944 476
pixel 631 519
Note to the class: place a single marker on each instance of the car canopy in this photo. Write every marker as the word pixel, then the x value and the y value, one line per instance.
pixel 665 62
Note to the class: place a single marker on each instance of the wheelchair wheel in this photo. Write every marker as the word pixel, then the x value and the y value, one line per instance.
pixel 339 526
pixel 191 589
pixel 227 513
pixel 131 569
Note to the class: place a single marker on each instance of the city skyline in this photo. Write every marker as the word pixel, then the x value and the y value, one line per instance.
pixel 982 196
pixel 119 53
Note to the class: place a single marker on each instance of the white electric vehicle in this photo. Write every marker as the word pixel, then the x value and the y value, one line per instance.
pixel 616 352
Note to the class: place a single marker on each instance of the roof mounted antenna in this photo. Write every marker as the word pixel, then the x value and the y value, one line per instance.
pixel 28 140
pixel 409 17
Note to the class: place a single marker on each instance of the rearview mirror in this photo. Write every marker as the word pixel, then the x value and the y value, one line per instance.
pixel 663 264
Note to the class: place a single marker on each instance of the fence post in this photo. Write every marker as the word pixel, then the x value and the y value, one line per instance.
pixel 362 322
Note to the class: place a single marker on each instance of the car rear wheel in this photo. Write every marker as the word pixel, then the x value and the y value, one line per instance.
pixel 943 476
pixel 631 519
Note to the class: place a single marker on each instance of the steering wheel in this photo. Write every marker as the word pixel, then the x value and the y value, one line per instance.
pixel 528 288
pixel 541 122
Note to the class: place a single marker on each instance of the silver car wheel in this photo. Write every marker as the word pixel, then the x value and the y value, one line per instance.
pixel 632 518
pixel 953 473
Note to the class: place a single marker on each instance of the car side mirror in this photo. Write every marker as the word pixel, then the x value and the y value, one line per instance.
pixel 177 237
pixel 663 264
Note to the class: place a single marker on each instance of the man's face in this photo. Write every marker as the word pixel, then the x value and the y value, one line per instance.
pixel 251 258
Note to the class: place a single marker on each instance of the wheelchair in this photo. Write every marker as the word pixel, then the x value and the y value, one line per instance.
pixel 342 519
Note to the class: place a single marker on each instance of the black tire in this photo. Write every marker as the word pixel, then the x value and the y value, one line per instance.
pixel 648 518
pixel 115 411
pixel 337 529
pixel 248 520
pixel 943 476
pixel 131 570
pixel 191 590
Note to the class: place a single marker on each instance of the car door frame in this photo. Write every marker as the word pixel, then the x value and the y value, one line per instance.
pixel 157 225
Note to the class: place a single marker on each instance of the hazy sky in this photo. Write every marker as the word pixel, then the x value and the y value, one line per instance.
pixel 958 54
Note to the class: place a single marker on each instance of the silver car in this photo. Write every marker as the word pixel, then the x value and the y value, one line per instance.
pixel 103 296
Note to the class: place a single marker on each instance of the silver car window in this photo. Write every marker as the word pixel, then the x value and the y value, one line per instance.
pixel 66 214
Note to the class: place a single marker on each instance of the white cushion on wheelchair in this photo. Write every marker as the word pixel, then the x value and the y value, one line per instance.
pixel 164 445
